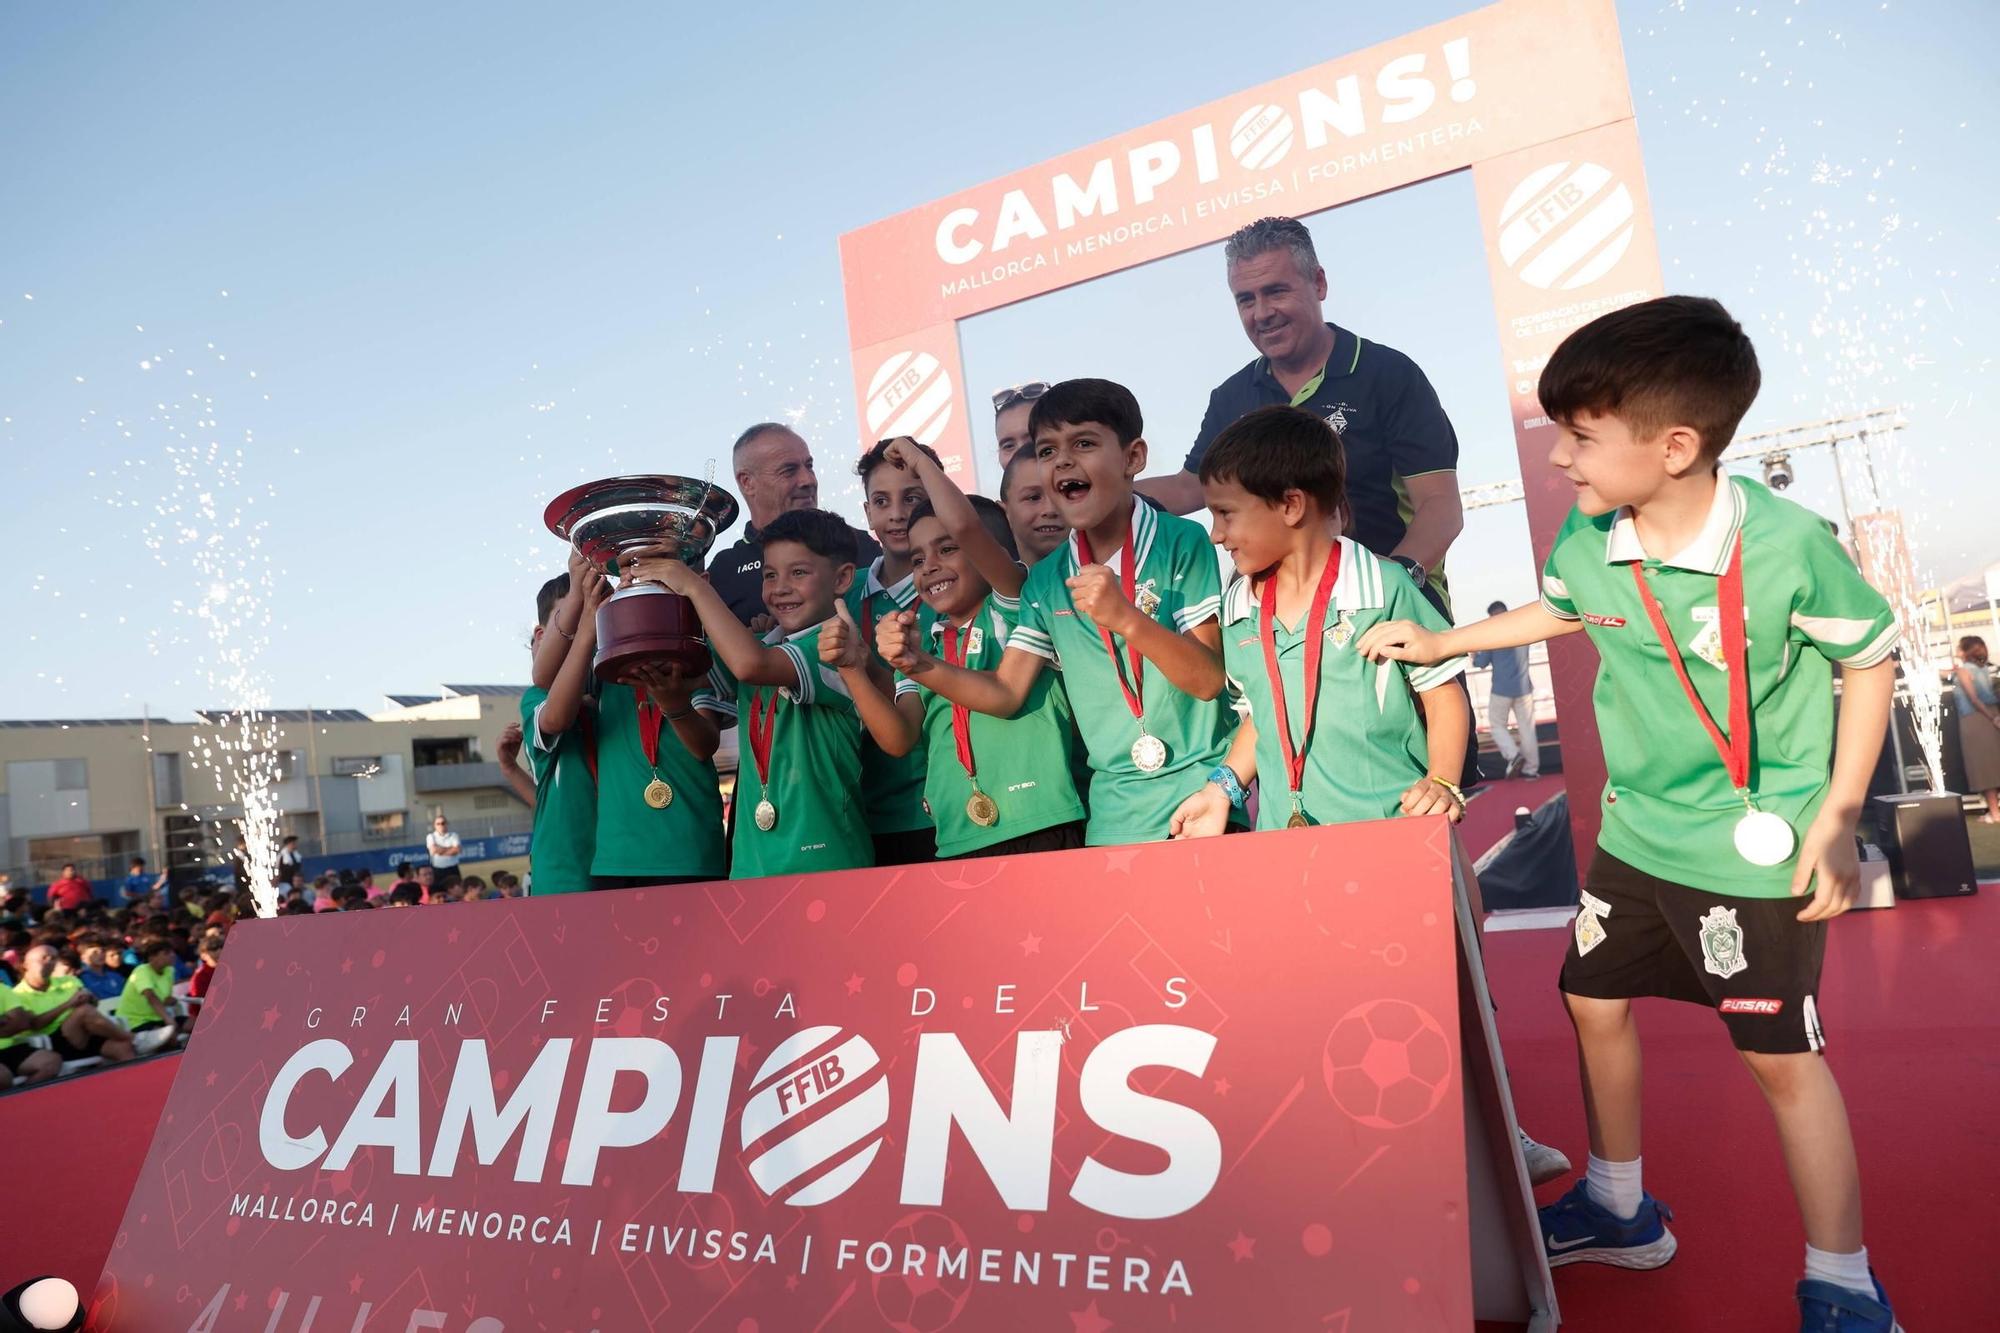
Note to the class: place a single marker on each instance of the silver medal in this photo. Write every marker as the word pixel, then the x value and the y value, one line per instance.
pixel 1764 839
pixel 1149 753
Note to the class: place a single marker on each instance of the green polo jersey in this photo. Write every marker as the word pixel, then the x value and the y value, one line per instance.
pixel 1024 761
pixel 1368 742
pixel 633 838
pixel 892 789
pixel 1179 584
pixel 565 832
pixel 815 771
pixel 132 1007
pixel 1668 805
pixel 24 996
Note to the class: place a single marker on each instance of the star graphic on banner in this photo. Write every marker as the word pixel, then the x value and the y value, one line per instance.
pixel 1032 944
pixel 1120 858
pixel 1087 1320
pixel 854 984
pixel 1243 1247
pixel 1222 1087
pixel 209 1082
pixel 451 936
pixel 792 1282
pixel 346 965
pixel 354 1284
pixel 242 1299
pixel 270 1018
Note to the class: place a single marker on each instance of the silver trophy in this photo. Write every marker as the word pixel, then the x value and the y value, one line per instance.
pixel 609 520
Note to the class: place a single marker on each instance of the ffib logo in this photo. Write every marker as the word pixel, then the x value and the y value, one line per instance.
pixel 815 1104
pixel 909 394
pixel 1565 225
pixel 1261 137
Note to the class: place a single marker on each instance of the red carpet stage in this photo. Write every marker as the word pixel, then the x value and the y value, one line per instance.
pixel 1915 1040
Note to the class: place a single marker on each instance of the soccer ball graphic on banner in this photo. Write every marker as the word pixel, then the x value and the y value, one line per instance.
pixel 1565 225
pixel 1387 1064
pixel 921 1303
pixel 909 394
pixel 1261 137
pixel 819 1098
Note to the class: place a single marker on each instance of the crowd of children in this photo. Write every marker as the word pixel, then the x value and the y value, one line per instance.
pixel 1069 667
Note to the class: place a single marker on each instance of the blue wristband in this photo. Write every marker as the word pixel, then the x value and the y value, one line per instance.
pixel 1232 786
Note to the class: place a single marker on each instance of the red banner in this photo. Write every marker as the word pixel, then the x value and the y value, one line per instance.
pixel 1183 1085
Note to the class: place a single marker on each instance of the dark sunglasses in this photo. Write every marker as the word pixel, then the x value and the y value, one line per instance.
pixel 1019 393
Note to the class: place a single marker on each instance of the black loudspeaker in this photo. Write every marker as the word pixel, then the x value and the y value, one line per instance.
pixel 1930 852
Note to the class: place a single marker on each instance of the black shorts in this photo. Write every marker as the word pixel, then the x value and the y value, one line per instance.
pixel 70 1050
pixel 13 1057
pixel 906 849
pixel 1749 959
pixel 443 877
pixel 1056 838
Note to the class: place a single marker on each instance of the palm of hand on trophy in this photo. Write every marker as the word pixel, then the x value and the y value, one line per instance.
pixel 613 520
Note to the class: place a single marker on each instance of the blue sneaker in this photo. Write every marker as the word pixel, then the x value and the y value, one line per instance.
pixel 1577 1229
pixel 1825 1307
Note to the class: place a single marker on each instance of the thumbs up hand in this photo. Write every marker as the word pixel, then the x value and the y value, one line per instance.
pixel 840 645
pixel 898 644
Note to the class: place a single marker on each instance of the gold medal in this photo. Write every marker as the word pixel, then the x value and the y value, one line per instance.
pixel 659 795
pixel 766 816
pixel 979 808
pixel 1298 820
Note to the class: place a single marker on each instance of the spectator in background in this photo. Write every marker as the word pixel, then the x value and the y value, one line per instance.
pixel 369 888
pixel 443 846
pixel 1010 418
pixel 405 895
pixel 66 1012
pixel 18 1060
pixel 147 1001
pixel 204 976
pixel 1979 724
pixel 425 884
pixel 291 861
pixel 1513 696
pixel 139 887
pixel 71 890
pixel 471 889
pixel 97 978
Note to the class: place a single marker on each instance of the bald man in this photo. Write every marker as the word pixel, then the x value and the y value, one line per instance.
pixel 66 1012
pixel 774 474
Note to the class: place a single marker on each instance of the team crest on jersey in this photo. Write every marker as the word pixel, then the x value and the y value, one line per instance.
pixel 1707 642
pixel 1338 415
pixel 1147 597
pixel 972 642
pixel 1722 943
pixel 1341 630
pixel 1590 914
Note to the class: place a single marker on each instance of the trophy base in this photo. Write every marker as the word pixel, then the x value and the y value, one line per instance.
pixel 645 623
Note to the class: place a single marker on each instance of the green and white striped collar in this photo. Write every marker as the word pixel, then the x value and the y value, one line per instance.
pixel 1708 553
pixel 902 593
pixel 1358 586
pixel 1145 527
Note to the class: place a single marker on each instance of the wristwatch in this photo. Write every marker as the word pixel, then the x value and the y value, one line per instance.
pixel 1418 573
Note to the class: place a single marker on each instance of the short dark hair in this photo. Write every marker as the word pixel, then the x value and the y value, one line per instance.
pixel 1278 449
pixel 138 860
pixel 551 592
pixel 1088 402
pixel 879 451
pixel 1677 360
pixel 820 532
pixel 1496 608
pixel 409 893
pixel 1969 642
pixel 991 517
pixel 1024 457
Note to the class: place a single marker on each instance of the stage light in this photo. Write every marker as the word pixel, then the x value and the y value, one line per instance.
pixel 1778 471
pixel 41 1305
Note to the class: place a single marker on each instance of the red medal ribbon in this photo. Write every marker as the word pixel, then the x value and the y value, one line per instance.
pixel 1267 615
pixel 1735 748
pixel 961 717
pixel 651 719
pixel 763 726
pixel 1128 578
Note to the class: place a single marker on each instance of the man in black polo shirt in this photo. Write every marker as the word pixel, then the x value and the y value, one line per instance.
pixel 774 472
pixel 1402 454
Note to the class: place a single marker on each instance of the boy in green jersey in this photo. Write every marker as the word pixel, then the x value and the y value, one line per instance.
pixel 562 758
pixel 801 764
pixel 148 998
pixel 1354 739
pixel 1126 610
pixel 1718 611
pixel 995 786
pixel 892 785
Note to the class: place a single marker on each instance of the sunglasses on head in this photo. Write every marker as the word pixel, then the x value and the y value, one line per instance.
pixel 1019 393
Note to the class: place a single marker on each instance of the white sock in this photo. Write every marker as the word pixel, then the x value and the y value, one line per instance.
pixel 1615 1185
pixel 1843 1270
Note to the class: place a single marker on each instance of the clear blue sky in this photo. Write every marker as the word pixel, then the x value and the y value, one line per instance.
pixel 476 253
